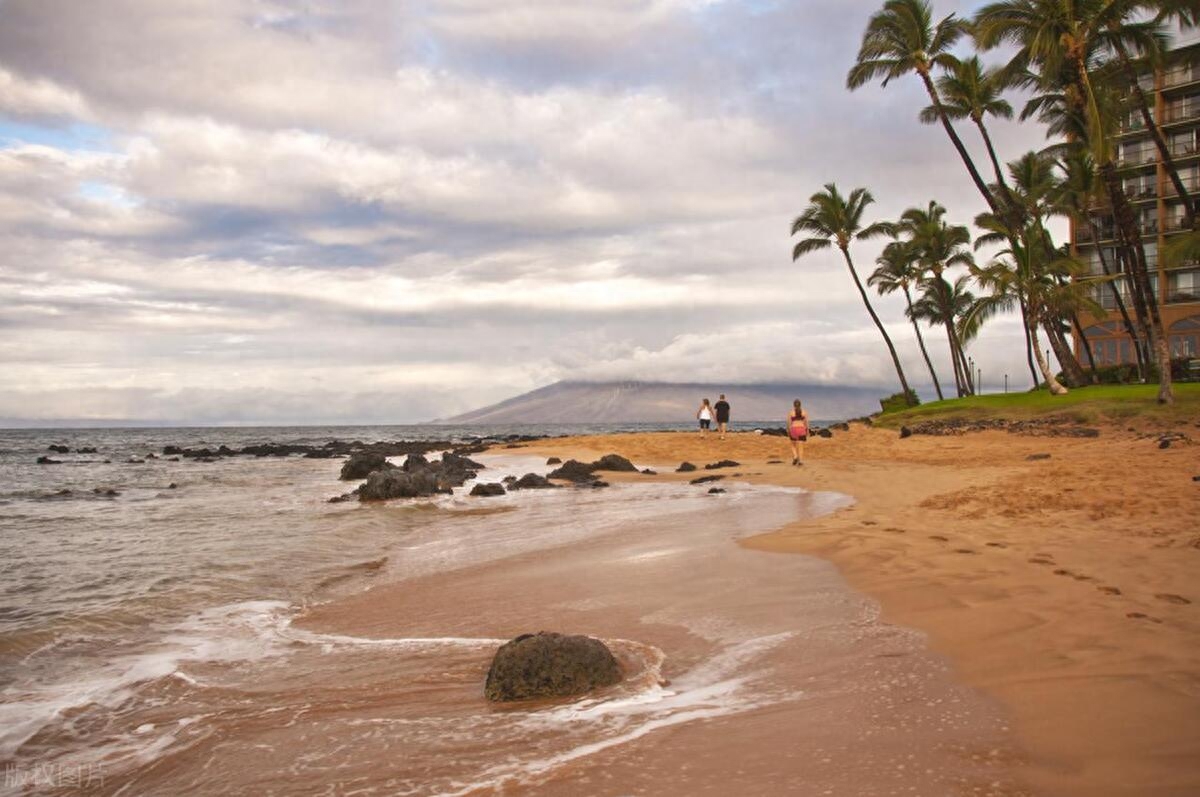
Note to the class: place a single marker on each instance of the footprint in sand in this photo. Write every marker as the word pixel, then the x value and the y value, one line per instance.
pixel 1170 598
pixel 963 550
pixel 774 461
pixel 1041 560
pixel 895 530
pixel 939 538
pixel 870 523
pixel 1141 616
pixel 997 545
pixel 1109 590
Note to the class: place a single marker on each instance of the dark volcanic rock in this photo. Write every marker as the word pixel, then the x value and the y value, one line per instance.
pixel 457 461
pixel 715 490
pixel 725 463
pixel 593 484
pixel 59 449
pixel 648 472
pixel 706 479
pixel 905 432
pixel 86 450
pixel 1035 457
pixel 360 466
pixel 549 665
pixel 776 432
pixel 415 462
pixel 509 479
pixel 573 471
pixel 823 432
pixel 47 461
pixel 614 462
pixel 841 427
pixel 531 481
pixel 383 485
pixel 685 467
pixel 554 461
pixel 1164 443
pixel 488 490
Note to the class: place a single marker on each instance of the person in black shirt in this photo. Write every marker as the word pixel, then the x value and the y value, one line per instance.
pixel 722 408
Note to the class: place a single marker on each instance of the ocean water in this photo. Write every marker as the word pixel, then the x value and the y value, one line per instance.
pixel 236 633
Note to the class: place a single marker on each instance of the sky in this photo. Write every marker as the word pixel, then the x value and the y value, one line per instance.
pixel 258 211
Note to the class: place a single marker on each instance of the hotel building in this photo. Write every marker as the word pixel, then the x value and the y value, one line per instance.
pixel 1174 92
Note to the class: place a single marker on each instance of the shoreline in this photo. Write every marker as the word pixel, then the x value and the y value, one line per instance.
pixel 1061 586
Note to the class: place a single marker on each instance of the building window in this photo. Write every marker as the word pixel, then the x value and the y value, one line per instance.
pixel 1183 286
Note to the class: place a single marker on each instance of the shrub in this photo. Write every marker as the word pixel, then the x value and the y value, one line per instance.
pixel 896 402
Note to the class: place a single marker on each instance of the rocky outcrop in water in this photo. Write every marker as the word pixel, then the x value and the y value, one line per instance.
pixel 360 466
pixel 614 462
pixel 384 485
pixel 483 490
pixel 573 471
pixel 547 664
pixel 685 467
pixel 531 481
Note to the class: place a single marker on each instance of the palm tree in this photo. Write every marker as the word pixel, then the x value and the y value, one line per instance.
pixel 834 220
pixel 947 303
pixel 898 272
pixel 902 38
pixel 969 91
pixel 1014 277
pixel 1076 194
pixel 1060 41
pixel 941 246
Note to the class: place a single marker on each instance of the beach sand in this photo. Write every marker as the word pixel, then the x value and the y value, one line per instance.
pixel 1065 587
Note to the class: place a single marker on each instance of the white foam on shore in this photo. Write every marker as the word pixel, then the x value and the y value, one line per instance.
pixel 721 686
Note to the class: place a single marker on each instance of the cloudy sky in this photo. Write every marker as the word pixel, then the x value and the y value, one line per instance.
pixel 319 211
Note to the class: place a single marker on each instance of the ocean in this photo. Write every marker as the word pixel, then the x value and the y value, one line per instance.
pixel 191 627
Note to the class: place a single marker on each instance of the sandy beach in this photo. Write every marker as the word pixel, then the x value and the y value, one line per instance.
pixel 1062 586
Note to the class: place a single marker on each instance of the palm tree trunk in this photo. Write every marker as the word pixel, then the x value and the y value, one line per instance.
pixel 1028 342
pixel 1087 346
pixel 987 142
pixel 1127 226
pixel 1051 383
pixel 968 377
pixel 958 382
pixel 908 394
pixel 1120 302
pixel 958 145
pixel 921 342
pixel 1072 370
pixel 1155 133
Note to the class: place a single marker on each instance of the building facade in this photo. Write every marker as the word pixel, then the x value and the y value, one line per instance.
pixel 1175 90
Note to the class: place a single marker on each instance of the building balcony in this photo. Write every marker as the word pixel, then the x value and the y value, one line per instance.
pixel 1182 75
pixel 1141 157
pixel 1176 225
pixel 1181 113
pixel 1191 184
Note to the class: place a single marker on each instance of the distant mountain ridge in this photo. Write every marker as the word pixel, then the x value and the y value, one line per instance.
pixel 667 402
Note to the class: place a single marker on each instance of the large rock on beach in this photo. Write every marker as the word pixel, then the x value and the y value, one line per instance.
pixel 550 665
pixel 487 490
pixel 360 466
pixel 685 467
pixel 531 481
pixel 614 462
pixel 573 471
pixel 724 463
pixel 384 485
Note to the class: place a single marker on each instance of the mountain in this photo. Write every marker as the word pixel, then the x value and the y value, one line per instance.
pixel 666 402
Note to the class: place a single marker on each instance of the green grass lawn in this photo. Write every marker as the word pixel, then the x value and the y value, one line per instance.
pixel 1118 403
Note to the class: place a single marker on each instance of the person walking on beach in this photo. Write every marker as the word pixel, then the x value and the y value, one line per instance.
pixel 705 416
pixel 722 408
pixel 797 427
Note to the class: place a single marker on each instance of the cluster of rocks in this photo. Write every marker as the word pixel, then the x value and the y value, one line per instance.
pixel 584 473
pixel 1036 427
pixel 547 664
pixel 724 463
pixel 416 478
pixel 343 448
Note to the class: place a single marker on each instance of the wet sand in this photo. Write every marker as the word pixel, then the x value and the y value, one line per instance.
pixel 1065 586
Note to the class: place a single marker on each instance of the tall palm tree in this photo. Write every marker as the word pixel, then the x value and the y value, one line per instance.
pixel 969 91
pixel 1017 276
pixel 1076 194
pixel 833 220
pixel 902 38
pixel 1061 41
pixel 941 246
pixel 898 271
pixel 946 303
